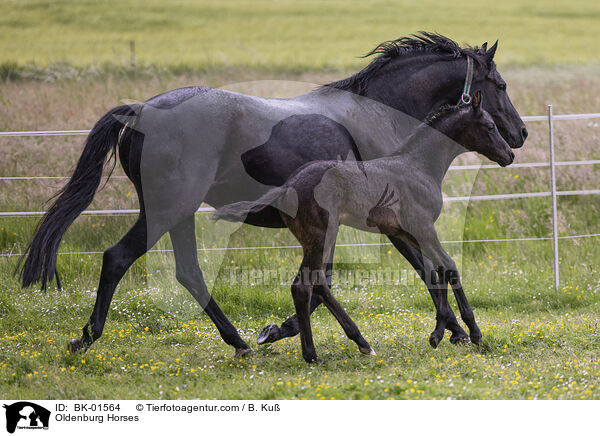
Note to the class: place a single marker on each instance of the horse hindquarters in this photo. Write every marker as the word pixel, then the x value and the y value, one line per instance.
pixel 165 215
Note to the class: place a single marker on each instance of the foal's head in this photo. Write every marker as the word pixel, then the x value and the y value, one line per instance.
pixel 473 128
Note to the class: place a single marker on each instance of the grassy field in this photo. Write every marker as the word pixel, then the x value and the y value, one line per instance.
pixel 285 35
pixel 158 344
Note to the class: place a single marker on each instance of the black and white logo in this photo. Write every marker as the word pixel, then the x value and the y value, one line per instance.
pixel 26 415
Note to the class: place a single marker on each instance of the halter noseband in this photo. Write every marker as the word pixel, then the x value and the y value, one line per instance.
pixel 465 98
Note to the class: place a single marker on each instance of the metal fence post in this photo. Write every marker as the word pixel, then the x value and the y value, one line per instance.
pixel 553 191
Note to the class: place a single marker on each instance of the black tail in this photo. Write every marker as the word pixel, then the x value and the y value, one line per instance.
pixel 237 212
pixel 74 198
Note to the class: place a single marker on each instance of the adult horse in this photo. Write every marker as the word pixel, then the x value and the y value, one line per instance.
pixel 196 145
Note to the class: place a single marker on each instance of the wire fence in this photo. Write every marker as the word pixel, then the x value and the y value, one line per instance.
pixel 552 164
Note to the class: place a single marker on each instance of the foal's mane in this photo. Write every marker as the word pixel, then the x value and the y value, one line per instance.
pixel 438 113
pixel 425 127
pixel 416 44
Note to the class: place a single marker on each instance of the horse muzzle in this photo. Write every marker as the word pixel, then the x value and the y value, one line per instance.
pixel 506 160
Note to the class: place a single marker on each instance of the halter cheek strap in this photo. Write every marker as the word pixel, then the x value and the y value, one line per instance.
pixel 465 98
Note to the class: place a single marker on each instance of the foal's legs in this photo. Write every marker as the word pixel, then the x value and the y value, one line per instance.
pixel 466 312
pixel 301 294
pixel 313 279
pixel 350 328
pixel 438 288
pixel 183 237
pixel 317 233
pixel 424 268
pixel 116 261
pixel 448 273
pixel 289 327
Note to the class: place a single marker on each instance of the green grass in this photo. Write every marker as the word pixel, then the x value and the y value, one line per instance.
pixel 537 343
pixel 284 35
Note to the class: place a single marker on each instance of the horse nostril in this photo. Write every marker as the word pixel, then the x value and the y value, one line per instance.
pixel 524 133
pixel 512 155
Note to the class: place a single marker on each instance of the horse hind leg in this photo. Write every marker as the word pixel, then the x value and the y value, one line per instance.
pixel 290 327
pixel 316 248
pixel 322 288
pixel 115 262
pixel 336 309
pixel 301 294
pixel 189 274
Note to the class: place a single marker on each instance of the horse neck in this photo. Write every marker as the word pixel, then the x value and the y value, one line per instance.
pixel 432 148
pixel 419 84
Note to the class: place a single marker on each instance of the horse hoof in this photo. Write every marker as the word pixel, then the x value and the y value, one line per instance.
pixel 459 339
pixel 268 334
pixel 434 340
pixel 317 361
pixel 476 339
pixel 75 346
pixel 243 352
pixel 368 351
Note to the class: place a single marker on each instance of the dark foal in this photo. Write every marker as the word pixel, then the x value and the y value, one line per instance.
pixel 399 196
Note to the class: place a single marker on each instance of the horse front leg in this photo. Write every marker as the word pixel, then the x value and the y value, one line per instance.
pixel 438 288
pixel 447 272
pixel 424 268
pixel 466 313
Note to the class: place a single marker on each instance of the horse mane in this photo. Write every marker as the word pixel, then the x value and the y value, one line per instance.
pixel 438 113
pixel 419 43
pixel 424 128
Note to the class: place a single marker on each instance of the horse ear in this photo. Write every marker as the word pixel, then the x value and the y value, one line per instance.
pixel 489 54
pixel 476 101
pixel 483 48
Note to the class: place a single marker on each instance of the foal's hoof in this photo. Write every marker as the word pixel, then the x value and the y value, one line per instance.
pixel 434 340
pixel 317 361
pixel 368 351
pixel 243 352
pixel 459 339
pixel 76 346
pixel 476 339
pixel 268 334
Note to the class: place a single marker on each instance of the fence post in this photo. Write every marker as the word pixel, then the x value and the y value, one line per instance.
pixel 132 54
pixel 553 191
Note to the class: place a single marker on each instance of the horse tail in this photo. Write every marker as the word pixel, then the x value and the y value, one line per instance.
pixel 237 212
pixel 40 256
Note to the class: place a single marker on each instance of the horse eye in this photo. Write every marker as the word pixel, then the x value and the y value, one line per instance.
pixel 491 126
pixel 502 86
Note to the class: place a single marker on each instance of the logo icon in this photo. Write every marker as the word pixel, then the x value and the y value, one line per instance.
pixel 26 415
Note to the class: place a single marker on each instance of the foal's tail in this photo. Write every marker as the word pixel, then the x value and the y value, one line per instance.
pixel 237 212
pixel 40 257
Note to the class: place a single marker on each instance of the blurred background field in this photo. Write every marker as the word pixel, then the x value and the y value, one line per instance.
pixel 283 35
pixel 63 64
